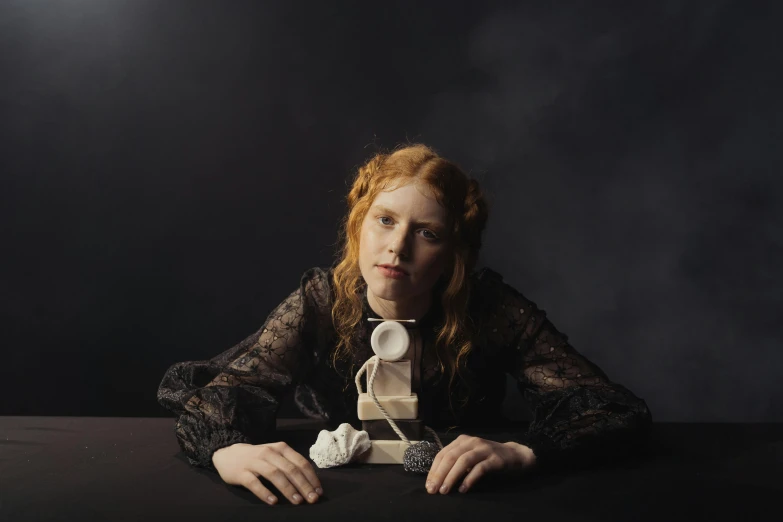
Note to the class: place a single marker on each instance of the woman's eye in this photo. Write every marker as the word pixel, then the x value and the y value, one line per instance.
pixel 431 236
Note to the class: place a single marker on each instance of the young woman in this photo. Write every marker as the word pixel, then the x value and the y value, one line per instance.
pixel 409 246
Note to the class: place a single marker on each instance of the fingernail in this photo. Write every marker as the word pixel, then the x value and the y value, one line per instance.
pixel 297 498
pixel 271 499
pixel 463 488
pixel 312 495
pixel 443 489
pixel 319 491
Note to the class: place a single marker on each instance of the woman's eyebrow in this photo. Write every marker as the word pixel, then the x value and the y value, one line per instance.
pixel 385 210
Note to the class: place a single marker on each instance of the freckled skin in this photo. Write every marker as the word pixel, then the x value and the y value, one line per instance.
pixel 422 251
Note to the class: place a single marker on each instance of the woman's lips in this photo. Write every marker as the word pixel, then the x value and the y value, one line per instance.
pixel 394 274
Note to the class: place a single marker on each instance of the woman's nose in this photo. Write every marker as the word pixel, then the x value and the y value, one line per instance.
pixel 399 246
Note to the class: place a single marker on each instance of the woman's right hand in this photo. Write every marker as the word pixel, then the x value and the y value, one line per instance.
pixel 292 474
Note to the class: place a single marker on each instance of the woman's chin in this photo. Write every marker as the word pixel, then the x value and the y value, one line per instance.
pixel 390 290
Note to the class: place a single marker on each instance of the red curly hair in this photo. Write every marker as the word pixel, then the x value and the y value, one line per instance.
pixel 467 212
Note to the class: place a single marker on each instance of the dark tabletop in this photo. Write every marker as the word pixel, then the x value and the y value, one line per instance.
pixel 89 468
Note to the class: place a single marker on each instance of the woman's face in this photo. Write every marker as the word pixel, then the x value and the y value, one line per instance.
pixel 405 227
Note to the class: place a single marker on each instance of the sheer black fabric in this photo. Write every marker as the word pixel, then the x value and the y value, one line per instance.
pixel 580 415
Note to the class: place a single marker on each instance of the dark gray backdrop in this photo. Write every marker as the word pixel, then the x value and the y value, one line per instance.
pixel 169 170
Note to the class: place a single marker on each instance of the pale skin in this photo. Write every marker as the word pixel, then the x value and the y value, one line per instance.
pixel 407 227
pixel 291 473
pixel 409 232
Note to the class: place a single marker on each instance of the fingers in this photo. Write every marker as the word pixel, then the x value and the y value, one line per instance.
pixel 453 469
pixel 444 461
pixel 252 483
pixel 463 465
pixel 304 465
pixel 287 477
pixel 478 471
pixel 465 460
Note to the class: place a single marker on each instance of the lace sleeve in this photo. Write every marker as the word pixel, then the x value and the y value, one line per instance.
pixel 234 397
pixel 580 416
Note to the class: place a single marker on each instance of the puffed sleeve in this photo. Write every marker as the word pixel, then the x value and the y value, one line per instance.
pixel 580 416
pixel 234 397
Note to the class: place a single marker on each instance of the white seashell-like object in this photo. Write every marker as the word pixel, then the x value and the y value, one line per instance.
pixel 338 447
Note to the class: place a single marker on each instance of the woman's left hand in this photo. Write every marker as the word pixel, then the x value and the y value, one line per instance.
pixel 472 458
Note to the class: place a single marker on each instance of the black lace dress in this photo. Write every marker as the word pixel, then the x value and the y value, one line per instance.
pixel 579 414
